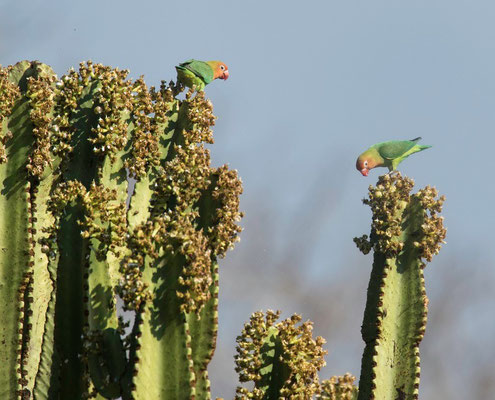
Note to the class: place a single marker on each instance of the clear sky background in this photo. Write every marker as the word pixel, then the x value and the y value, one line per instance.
pixel 313 84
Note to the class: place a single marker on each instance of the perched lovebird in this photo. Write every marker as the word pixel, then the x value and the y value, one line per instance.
pixel 199 73
pixel 387 154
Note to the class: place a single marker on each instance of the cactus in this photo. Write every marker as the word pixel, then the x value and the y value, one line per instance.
pixel 282 359
pixel 78 235
pixel 73 243
pixel 406 230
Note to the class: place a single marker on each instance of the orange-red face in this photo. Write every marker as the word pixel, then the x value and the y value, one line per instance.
pixel 220 70
pixel 364 164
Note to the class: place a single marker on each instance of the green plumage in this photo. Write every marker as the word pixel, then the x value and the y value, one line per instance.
pixel 392 153
pixel 395 151
pixel 194 73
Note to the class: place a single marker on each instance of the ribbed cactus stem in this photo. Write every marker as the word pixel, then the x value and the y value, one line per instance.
pixel 42 169
pixel 17 232
pixel 187 227
pixel 405 231
pixel 72 242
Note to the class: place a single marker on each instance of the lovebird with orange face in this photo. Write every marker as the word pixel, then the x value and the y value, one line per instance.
pixel 387 154
pixel 198 74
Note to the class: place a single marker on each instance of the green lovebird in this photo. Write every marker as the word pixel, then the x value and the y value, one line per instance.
pixel 387 154
pixel 199 73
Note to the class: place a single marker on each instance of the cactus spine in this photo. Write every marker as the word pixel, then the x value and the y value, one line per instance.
pixel 72 244
pixel 405 230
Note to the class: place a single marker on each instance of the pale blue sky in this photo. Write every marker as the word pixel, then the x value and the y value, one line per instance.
pixel 312 84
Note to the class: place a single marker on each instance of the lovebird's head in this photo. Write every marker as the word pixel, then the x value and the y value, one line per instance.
pixel 220 70
pixel 365 162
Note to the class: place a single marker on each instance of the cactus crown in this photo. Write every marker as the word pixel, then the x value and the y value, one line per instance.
pixel 388 199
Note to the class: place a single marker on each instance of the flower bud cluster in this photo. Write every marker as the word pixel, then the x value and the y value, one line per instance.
pixel 40 92
pixel 338 388
pixel 149 116
pixel 105 220
pixel 392 204
pixel 387 201
pixel 111 105
pixel 194 207
pixel 104 216
pixel 288 348
pixel 433 232
pixel 9 93
pixel 224 231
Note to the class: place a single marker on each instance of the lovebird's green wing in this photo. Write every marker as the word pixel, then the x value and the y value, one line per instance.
pixel 395 148
pixel 199 68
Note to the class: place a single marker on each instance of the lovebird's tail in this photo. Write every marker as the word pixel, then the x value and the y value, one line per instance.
pixel 420 146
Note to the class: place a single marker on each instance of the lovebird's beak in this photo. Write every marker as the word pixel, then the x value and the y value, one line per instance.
pixel 365 171
pixel 225 75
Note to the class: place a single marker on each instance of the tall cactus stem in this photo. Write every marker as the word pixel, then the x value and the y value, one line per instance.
pixel 406 230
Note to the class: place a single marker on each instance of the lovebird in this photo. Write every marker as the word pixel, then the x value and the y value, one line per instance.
pixel 387 154
pixel 199 73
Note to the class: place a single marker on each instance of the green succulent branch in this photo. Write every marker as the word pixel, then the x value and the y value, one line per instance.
pixel 406 230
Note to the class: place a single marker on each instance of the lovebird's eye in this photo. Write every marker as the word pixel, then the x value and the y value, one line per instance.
pixel 366 163
pixel 222 67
